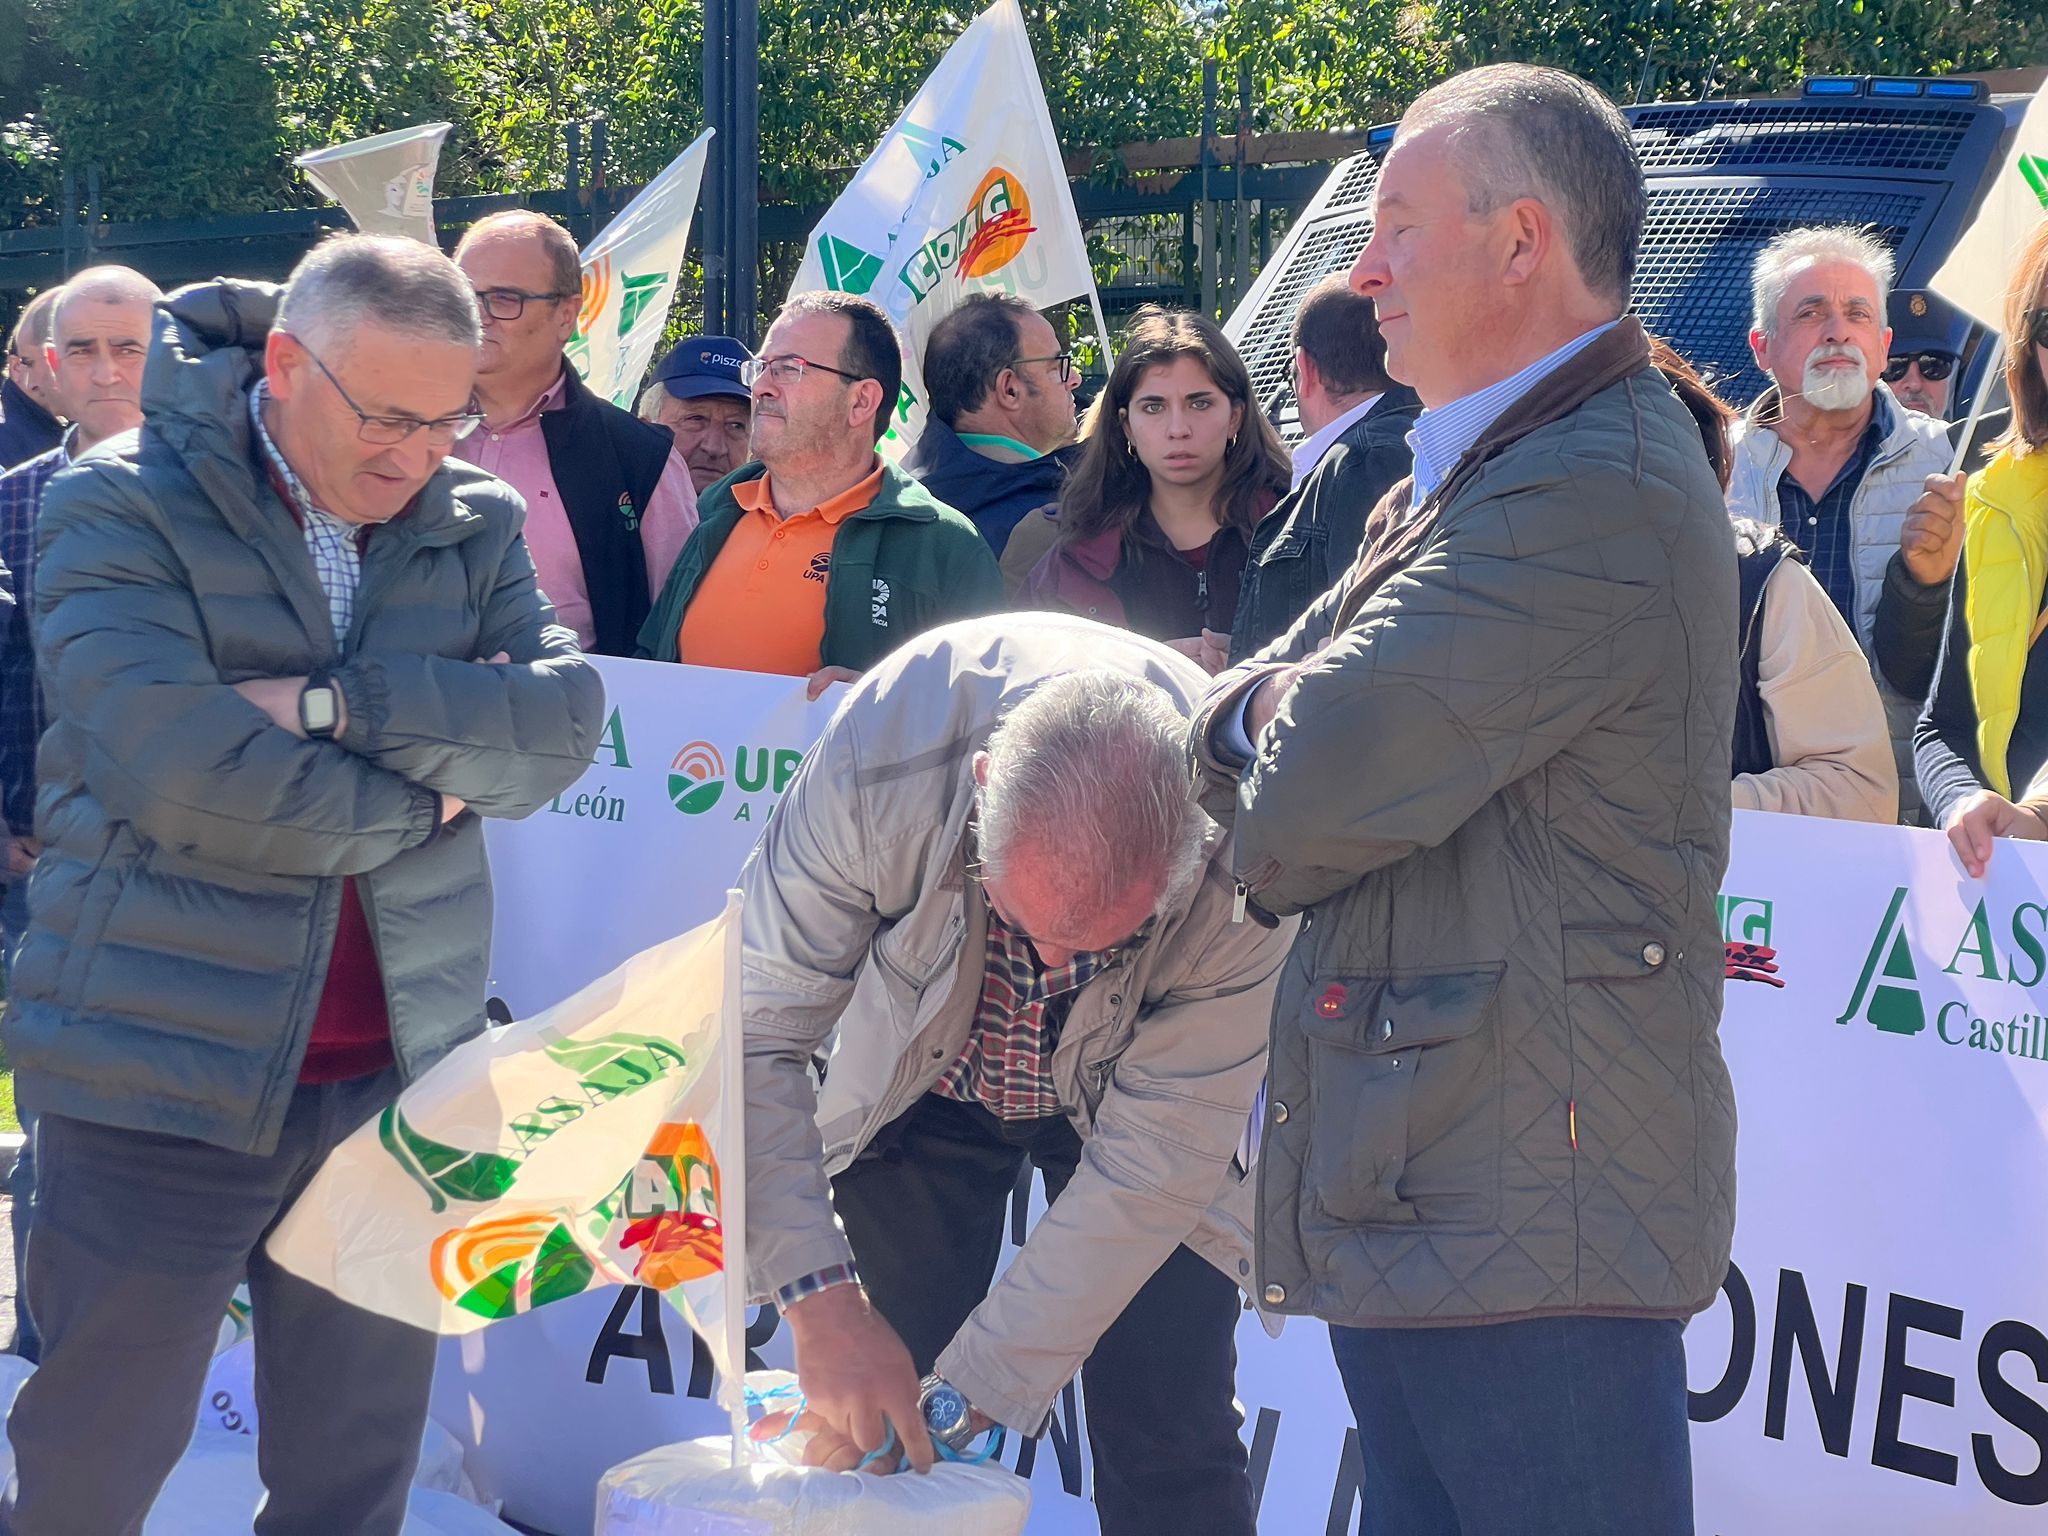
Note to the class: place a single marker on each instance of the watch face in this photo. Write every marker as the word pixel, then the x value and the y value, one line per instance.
pixel 316 710
pixel 945 1410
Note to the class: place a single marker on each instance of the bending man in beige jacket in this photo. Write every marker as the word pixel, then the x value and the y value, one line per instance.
pixel 990 889
pixel 1810 732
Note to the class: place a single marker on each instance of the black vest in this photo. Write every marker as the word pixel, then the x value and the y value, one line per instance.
pixel 606 463
pixel 1758 551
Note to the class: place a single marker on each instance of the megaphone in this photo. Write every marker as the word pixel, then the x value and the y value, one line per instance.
pixel 385 184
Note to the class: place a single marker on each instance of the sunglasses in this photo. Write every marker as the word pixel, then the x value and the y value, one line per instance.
pixel 1933 366
pixel 2037 327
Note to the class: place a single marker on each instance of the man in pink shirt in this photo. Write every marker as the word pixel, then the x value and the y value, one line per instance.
pixel 609 501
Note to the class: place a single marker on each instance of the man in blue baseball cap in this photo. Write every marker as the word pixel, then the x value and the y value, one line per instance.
pixel 697 394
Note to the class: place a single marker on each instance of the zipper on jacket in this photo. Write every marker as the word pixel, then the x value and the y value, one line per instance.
pixel 1238 900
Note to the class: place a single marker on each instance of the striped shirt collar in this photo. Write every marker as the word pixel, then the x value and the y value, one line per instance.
pixel 1443 436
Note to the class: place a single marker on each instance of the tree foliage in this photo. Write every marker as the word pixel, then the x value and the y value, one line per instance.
pixel 190 107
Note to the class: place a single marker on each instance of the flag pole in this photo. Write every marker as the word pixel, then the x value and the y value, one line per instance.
pixel 1101 329
pixel 1991 368
pixel 732 1193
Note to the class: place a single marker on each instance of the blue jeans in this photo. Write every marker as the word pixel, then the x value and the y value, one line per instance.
pixel 21 1186
pixel 1570 1426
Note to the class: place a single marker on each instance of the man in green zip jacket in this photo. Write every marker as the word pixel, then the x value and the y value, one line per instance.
pixel 819 556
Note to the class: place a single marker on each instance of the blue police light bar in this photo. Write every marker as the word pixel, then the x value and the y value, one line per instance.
pixel 1894 87
pixel 1380 135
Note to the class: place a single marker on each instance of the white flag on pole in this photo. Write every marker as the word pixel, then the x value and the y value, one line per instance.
pixel 597 1143
pixel 385 184
pixel 629 279
pixel 1974 276
pixel 966 193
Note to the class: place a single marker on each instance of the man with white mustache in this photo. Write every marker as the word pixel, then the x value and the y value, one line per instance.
pixel 1856 480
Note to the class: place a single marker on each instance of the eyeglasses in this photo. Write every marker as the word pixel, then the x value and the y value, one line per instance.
pixel 389 430
pixel 510 303
pixel 1064 359
pixel 786 370
pixel 1934 366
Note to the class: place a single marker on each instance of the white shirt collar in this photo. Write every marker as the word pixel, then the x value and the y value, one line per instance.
pixel 1308 453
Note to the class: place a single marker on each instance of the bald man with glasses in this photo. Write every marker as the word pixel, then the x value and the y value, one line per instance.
pixel 609 499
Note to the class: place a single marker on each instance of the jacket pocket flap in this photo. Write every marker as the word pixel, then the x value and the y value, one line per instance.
pixel 1614 954
pixel 1390 1013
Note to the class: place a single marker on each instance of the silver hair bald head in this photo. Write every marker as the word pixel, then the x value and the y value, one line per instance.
pixel 1092 767
pixel 100 285
pixel 350 281
pixel 1781 260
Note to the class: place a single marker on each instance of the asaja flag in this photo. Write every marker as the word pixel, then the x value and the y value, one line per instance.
pixel 967 193
pixel 598 1143
pixel 629 279
pixel 1974 276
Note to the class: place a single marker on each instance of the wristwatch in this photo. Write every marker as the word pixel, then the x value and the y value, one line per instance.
pixel 946 1413
pixel 320 705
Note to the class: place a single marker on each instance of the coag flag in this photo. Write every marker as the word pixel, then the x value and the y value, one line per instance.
pixel 1974 276
pixel 966 193
pixel 596 1143
pixel 629 279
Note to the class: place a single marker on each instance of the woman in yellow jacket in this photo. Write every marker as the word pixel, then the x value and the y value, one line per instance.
pixel 1982 742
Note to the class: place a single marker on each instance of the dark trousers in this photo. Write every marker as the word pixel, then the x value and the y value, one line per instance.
pixel 21 1184
pixel 1569 1426
pixel 924 1208
pixel 139 1242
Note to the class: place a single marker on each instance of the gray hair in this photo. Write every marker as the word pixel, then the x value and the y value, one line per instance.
pixel 648 406
pixel 102 285
pixel 31 331
pixel 1777 262
pixel 1524 130
pixel 350 281
pixel 1093 765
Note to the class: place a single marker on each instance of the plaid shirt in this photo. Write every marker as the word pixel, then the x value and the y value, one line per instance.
pixel 22 715
pixel 337 557
pixel 1007 1066
pixel 1821 527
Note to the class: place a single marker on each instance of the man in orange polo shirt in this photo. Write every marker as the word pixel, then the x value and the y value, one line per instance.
pixel 819 556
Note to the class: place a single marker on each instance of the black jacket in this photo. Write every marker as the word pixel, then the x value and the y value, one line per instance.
pixel 994 496
pixel 1306 542
pixel 1945 753
pixel 26 429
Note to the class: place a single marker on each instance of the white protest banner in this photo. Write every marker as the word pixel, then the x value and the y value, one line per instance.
pixel 385 184
pixel 1891 1070
pixel 1974 276
pixel 629 279
pixel 645 844
pixel 966 193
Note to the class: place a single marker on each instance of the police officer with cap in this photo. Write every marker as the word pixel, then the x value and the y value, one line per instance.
pixel 1927 339
pixel 696 392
